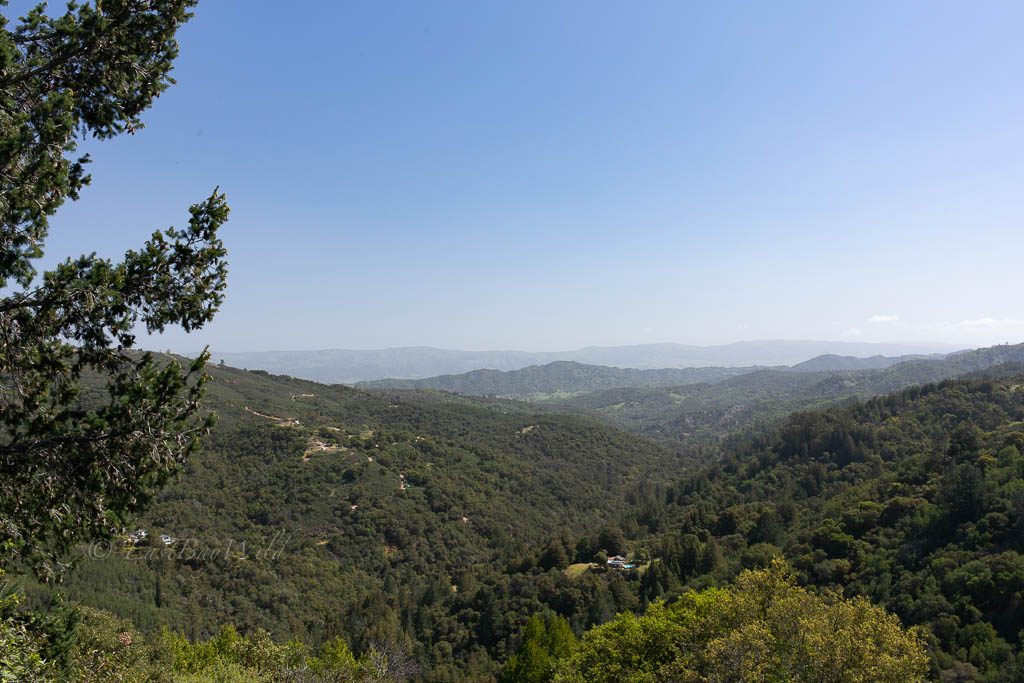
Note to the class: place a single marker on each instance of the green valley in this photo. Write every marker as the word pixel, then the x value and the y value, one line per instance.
pixel 435 527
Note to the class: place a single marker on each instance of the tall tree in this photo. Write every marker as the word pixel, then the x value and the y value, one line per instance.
pixel 73 463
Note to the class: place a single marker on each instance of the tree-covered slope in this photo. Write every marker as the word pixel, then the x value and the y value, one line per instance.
pixel 914 500
pixel 318 511
pixel 434 526
pixel 832 362
pixel 709 411
pixel 560 377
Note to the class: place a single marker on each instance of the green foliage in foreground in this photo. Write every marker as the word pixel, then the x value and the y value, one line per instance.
pixel 21 646
pixel 76 458
pixel 100 647
pixel 762 628
pixel 546 640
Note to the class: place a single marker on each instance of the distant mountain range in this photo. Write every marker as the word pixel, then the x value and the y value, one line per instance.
pixel 563 379
pixel 830 362
pixel 560 377
pixel 683 404
pixel 350 366
pixel 712 409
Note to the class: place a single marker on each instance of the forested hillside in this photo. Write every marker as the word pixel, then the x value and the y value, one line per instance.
pixel 831 361
pixel 914 500
pixel 319 511
pixel 707 412
pixel 435 528
pixel 558 379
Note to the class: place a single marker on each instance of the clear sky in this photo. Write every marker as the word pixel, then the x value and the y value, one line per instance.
pixel 548 175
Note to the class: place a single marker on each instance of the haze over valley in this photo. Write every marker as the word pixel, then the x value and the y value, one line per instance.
pixel 523 342
pixel 349 366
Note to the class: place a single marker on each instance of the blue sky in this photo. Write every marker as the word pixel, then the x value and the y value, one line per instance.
pixel 552 175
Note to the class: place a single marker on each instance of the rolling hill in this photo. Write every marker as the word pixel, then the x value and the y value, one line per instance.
pixel 708 411
pixel 316 511
pixel 434 525
pixel 913 500
pixel 560 377
pixel 832 362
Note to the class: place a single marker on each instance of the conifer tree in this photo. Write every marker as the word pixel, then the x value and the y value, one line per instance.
pixel 89 426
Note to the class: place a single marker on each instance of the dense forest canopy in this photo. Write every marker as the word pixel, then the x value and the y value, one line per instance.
pixel 164 519
pixel 319 511
pixel 440 530
pixel 913 500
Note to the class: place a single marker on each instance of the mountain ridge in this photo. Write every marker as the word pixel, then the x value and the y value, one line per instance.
pixel 832 362
pixel 347 366
pixel 439 523
pixel 684 412
pixel 568 377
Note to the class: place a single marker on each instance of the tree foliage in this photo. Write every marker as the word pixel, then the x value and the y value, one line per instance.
pixel 73 462
pixel 546 640
pixel 913 500
pixel 762 628
pixel 108 649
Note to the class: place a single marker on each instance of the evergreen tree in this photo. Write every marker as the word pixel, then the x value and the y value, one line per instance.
pixel 72 462
pixel 554 556
pixel 546 640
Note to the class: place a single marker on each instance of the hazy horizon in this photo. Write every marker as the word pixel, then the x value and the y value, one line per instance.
pixel 527 176
pixel 572 341
pixel 417 362
pixel 934 347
